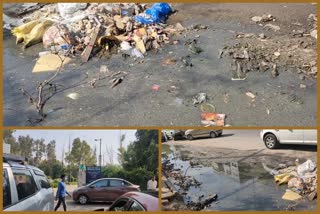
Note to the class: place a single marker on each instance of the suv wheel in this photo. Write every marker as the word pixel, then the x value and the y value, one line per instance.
pixel 213 134
pixel 83 199
pixel 271 141
pixel 189 137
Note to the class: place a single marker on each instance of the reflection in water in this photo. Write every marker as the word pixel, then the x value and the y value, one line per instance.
pixel 240 185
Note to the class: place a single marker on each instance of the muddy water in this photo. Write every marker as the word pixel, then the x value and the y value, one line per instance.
pixel 239 185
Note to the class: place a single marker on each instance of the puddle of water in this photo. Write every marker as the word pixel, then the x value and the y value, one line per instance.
pixel 239 185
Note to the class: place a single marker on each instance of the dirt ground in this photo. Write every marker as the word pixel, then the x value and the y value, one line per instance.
pixel 280 101
pixel 231 166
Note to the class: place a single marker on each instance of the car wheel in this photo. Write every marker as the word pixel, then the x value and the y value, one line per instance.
pixel 83 199
pixel 271 141
pixel 189 137
pixel 213 134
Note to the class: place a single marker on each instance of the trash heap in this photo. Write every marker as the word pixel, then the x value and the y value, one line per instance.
pixel 301 180
pixel 273 52
pixel 86 29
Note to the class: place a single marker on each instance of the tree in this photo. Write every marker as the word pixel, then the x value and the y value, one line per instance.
pixel 51 151
pixel 80 153
pixel 25 145
pixel 39 148
pixel 9 139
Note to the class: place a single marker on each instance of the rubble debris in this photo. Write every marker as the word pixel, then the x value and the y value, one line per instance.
pixel 193 48
pixel 199 98
pixel 87 51
pixel 272 27
pixel 56 35
pixel 300 178
pixel 202 204
pixel 68 9
pixel 263 18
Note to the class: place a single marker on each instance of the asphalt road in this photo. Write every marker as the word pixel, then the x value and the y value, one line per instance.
pixel 73 206
pixel 246 140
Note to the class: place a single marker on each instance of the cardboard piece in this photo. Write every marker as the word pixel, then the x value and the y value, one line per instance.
pixel 49 63
pixel 291 196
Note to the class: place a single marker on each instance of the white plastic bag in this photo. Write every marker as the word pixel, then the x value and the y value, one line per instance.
pixel 68 9
pixel 307 166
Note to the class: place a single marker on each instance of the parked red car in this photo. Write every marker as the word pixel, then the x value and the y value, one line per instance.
pixel 134 201
pixel 104 189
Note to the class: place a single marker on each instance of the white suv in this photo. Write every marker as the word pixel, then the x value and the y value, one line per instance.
pixel 25 187
pixel 273 138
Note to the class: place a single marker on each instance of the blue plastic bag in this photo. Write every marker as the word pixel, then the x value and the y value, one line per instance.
pixel 155 14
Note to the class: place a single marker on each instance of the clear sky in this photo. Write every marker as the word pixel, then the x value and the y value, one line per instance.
pixel 110 139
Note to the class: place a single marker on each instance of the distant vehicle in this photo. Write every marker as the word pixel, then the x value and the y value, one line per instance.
pixel 104 189
pixel 273 138
pixel 134 201
pixel 164 137
pixel 196 133
pixel 178 135
pixel 25 187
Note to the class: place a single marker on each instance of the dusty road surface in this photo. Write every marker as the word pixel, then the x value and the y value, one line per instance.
pixel 283 100
pixel 236 167
pixel 74 206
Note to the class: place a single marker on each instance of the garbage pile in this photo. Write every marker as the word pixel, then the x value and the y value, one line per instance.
pixel 85 29
pixel 267 53
pixel 301 180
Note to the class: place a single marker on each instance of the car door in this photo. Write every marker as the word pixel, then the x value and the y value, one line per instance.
pixel 46 192
pixel 26 193
pixel 97 191
pixel 310 136
pixel 116 188
pixel 290 136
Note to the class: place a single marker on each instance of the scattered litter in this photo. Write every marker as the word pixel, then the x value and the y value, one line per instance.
pixel 307 166
pixel 50 63
pixel 277 54
pixel 291 196
pixel 251 95
pixel 212 119
pixel 56 35
pixel 136 53
pixel 274 71
pixel 199 98
pixel 303 86
pixel 207 107
pixel 104 69
pixel 158 12
pixel 155 87
pixel 116 81
pixel 73 96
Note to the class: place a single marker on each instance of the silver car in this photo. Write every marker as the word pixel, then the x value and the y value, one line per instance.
pixel 195 133
pixel 25 188
pixel 273 138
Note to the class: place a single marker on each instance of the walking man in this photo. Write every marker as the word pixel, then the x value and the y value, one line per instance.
pixel 61 194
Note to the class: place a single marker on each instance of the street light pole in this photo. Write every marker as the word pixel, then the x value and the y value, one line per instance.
pixel 100 150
